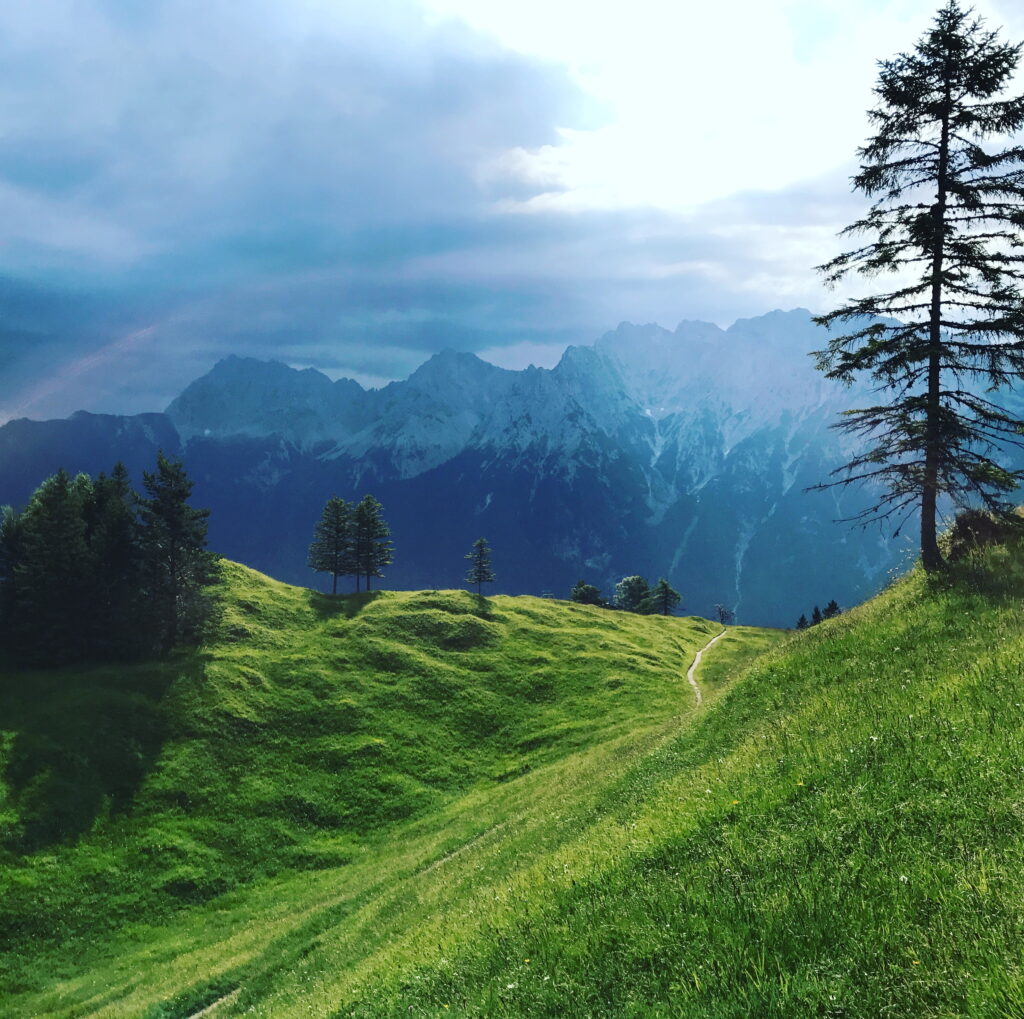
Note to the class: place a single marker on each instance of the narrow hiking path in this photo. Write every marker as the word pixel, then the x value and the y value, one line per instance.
pixel 213 1006
pixel 690 677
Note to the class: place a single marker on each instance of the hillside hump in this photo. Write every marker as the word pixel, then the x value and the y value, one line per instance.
pixel 313 735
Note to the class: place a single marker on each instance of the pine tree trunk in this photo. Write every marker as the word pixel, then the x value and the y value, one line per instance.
pixel 931 557
pixel 173 591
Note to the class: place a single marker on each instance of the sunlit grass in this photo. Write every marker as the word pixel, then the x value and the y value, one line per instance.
pixel 836 832
pixel 324 775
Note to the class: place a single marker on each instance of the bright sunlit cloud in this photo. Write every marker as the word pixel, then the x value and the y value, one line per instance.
pixel 702 100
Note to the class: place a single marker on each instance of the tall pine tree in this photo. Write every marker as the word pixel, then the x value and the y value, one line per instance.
pixel 331 550
pixel 47 596
pixel 947 217
pixel 117 618
pixel 371 545
pixel 177 565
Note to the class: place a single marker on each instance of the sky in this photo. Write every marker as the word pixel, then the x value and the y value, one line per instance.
pixel 355 186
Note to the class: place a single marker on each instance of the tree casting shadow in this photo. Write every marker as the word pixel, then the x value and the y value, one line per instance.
pixel 84 740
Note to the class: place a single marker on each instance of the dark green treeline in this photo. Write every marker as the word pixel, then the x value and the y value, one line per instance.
pixel 91 570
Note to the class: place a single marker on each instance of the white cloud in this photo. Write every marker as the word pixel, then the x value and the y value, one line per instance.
pixel 355 185
pixel 705 99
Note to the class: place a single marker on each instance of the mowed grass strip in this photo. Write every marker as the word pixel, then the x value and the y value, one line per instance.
pixel 290 774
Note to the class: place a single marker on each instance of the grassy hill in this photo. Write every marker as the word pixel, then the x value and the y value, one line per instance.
pixel 838 831
pixel 314 756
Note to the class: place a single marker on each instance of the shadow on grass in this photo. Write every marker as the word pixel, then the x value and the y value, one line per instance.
pixel 996 573
pixel 331 606
pixel 80 743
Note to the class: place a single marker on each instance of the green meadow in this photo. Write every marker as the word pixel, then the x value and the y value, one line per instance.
pixel 427 804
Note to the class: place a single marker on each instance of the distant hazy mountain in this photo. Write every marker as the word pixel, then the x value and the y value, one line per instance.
pixel 684 454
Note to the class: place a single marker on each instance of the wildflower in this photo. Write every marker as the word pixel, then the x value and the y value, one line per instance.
pixel 799 782
pixel 526 960
pixel 734 802
pixel 916 962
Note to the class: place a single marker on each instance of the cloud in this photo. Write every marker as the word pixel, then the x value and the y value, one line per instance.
pixel 353 186
pixel 705 99
pixel 250 175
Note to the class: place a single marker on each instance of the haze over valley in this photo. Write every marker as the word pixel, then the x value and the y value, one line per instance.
pixel 684 453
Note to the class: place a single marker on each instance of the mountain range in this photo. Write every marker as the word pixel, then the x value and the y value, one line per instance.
pixel 685 454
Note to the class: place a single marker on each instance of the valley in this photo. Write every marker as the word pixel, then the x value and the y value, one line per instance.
pixel 685 454
pixel 387 634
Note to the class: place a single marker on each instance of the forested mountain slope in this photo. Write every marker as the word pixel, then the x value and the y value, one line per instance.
pixel 682 453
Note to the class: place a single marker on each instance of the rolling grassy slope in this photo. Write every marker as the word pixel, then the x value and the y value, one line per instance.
pixel 837 832
pixel 171 827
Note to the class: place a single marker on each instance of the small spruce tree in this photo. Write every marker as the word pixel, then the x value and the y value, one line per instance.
pixel 371 545
pixel 586 594
pixel 801 623
pixel 480 571
pixel 331 550
pixel 663 598
pixel 831 610
pixel 815 616
pixel 630 593
pixel 725 615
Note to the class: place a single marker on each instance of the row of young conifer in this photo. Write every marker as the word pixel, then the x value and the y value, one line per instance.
pixel 632 594
pixel 830 611
pixel 91 570
pixel 354 540
pixel 351 540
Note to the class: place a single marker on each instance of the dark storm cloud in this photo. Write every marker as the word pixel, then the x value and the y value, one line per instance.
pixel 245 176
pixel 310 181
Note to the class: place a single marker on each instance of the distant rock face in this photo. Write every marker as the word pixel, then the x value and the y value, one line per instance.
pixel 682 454
pixel 32 450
